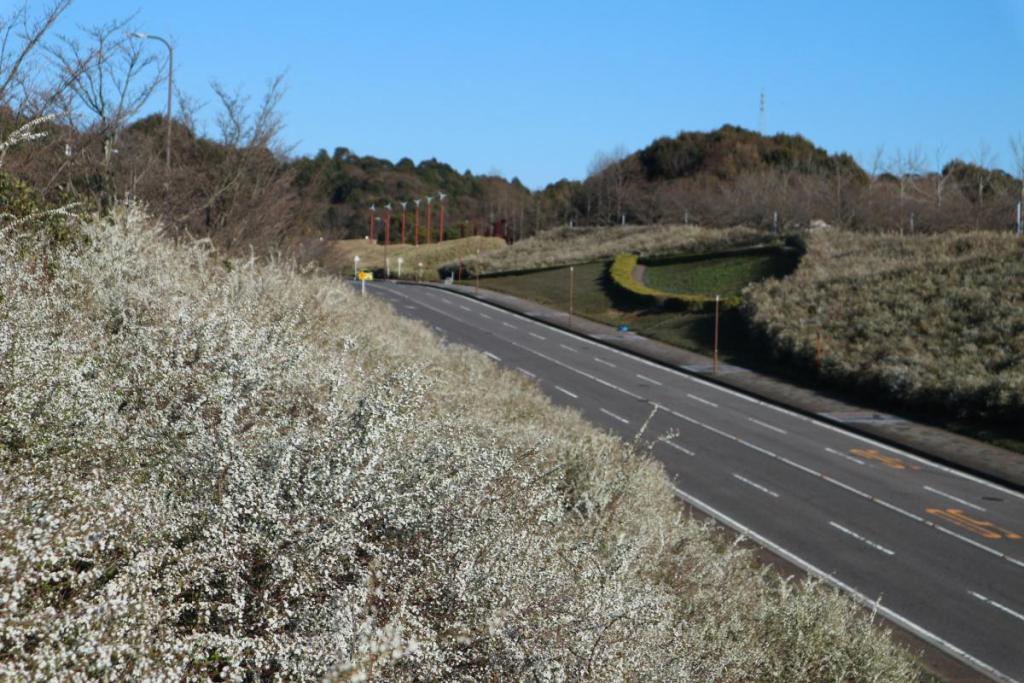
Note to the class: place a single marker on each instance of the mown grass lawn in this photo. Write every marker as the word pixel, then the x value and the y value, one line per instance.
pixel 695 332
pixel 725 274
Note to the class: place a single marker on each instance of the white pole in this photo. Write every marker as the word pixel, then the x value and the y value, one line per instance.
pixel 355 267
pixel 400 259
pixel 387 267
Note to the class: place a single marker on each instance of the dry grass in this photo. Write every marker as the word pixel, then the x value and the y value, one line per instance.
pixel 563 246
pixel 936 321
pixel 337 255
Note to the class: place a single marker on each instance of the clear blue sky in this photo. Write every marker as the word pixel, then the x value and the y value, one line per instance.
pixel 534 89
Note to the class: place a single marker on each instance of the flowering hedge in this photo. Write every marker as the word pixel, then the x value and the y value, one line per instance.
pixel 224 470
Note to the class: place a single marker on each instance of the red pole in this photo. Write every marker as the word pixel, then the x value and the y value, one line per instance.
pixel 403 225
pixel 416 229
pixel 429 214
pixel 369 228
pixel 442 223
pixel 387 229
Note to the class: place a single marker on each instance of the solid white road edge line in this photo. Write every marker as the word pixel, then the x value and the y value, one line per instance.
pixel 875 605
pixel 860 538
pixel 751 445
pixel 750 399
pixel 893 616
pixel 762 489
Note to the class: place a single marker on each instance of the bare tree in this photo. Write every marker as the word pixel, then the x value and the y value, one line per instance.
pixel 116 75
pixel 24 89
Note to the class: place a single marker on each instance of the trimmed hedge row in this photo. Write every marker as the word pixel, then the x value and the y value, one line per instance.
pixel 621 272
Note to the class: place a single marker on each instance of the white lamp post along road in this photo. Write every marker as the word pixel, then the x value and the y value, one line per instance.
pixel 170 86
pixel 400 260
pixel 355 267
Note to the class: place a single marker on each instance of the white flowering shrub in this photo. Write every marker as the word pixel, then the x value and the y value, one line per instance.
pixel 232 471
pixel 933 320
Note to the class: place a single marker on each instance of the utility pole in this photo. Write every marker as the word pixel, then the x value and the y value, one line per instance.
pixel 1020 227
pixel 477 269
pixel 404 206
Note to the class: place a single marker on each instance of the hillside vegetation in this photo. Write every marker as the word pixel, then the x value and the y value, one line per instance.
pixel 563 246
pixel 219 469
pixel 931 320
pixel 337 256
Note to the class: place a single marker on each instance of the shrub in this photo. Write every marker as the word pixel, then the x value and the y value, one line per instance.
pixel 243 473
pixel 933 321
pixel 621 272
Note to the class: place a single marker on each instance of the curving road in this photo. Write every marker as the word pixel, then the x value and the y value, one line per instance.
pixel 940 551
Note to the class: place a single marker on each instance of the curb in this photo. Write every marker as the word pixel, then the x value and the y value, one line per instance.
pixel 559 320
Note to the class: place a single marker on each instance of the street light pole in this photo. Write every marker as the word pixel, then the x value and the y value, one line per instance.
pixel 416 223
pixel 430 212
pixel 440 201
pixel 170 86
pixel 404 205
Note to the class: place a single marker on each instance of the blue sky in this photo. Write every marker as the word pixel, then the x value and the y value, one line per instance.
pixel 535 89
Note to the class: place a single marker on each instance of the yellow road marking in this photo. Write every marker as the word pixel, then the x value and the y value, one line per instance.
pixel 982 527
pixel 889 461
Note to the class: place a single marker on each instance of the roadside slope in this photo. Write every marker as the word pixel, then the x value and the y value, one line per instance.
pixel 227 469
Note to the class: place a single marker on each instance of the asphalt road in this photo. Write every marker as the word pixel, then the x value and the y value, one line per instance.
pixel 940 551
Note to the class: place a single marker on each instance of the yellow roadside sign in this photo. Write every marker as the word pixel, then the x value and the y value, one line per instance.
pixel 365 275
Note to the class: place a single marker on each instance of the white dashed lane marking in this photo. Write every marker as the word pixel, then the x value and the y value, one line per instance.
pixel 854 534
pixel 762 489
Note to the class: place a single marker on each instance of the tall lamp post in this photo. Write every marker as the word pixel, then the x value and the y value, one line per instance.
pixel 416 228
pixel 170 85
pixel 369 230
pixel 440 202
pixel 429 213
pixel 404 206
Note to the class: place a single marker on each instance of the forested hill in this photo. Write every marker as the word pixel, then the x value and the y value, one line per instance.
pixel 343 185
pixel 731 151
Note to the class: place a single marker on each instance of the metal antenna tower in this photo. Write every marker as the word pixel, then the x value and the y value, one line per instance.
pixel 761 115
